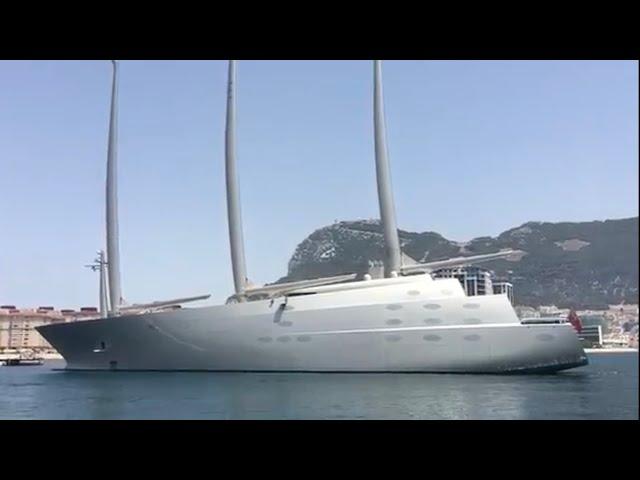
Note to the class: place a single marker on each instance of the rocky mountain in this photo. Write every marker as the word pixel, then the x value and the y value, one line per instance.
pixel 582 265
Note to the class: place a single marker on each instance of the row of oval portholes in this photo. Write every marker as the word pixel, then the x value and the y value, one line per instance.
pixel 544 337
pixel 397 321
pixel 432 338
pixel 469 338
pixel 428 306
pixel 395 306
pixel 285 339
pixel 414 293
pixel 396 338
pixel 434 306
pixel 435 321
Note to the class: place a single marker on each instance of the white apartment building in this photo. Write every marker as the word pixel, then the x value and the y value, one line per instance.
pixel 17 326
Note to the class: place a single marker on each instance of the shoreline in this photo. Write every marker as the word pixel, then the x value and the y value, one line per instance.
pixel 611 350
pixel 44 356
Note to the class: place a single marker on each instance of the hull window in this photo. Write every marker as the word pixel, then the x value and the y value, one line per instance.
pixel 545 337
pixel 433 321
pixel 472 321
pixel 100 347
pixel 432 338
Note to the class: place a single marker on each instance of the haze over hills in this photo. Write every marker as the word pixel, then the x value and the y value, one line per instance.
pixel 588 264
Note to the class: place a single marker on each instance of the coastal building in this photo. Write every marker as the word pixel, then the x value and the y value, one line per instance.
pixel 17 326
pixel 622 325
pixel 591 336
pixel 629 309
pixel 474 280
pixel 503 288
pixel 616 327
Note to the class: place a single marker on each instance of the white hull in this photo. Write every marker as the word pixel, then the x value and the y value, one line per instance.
pixel 411 324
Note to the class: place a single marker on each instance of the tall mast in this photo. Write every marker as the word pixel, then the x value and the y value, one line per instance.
pixel 233 194
pixel 113 253
pixel 392 259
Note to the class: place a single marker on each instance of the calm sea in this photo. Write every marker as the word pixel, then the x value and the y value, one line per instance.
pixel 606 389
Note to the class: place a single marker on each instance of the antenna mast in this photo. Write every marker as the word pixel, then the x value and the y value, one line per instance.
pixel 100 265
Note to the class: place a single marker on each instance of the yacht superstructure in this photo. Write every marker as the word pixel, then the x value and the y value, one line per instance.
pixel 404 322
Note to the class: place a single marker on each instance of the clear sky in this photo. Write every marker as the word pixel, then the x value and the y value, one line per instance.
pixel 476 148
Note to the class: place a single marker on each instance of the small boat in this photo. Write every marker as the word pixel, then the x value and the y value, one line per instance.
pixel 23 359
pixel 23 362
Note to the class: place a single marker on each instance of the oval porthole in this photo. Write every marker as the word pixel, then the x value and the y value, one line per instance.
pixel 472 338
pixel 304 338
pixel 433 321
pixel 545 337
pixel 394 321
pixel 432 338
pixel 393 338
pixel 285 324
pixel 472 321
pixel 265 339
pixel 284 339
pixel 471 306
pixel 413 293
pixel 432 306
pixel 394 307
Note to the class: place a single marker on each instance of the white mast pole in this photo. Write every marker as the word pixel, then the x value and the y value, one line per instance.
pixel 392 258
pixel 113 253
pixel 236 239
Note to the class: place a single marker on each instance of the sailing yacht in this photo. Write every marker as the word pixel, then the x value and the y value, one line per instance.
pixel 404 321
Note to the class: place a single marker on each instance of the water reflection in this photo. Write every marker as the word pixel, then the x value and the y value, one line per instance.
pixel 607 388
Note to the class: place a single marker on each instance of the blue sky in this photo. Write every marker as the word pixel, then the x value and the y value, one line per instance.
pixel 476 147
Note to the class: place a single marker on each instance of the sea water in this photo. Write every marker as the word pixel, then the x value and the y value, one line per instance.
pixel 605 389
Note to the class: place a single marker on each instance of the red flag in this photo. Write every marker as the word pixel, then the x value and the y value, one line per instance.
pixel 575 321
